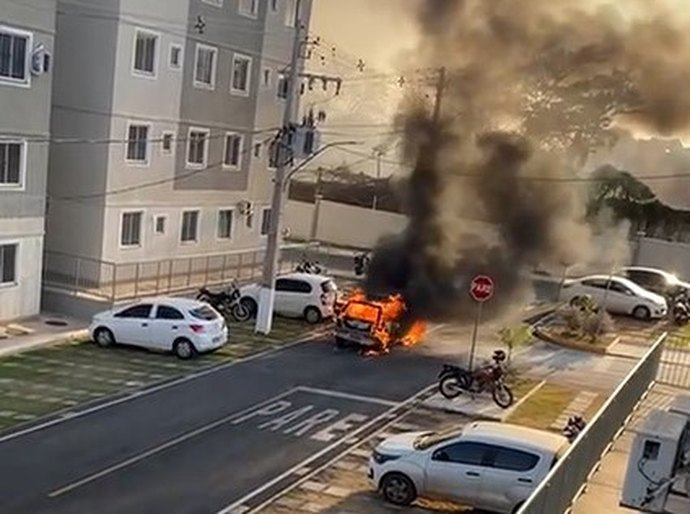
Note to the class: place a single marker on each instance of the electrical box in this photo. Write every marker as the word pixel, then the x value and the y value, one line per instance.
pixel 681 406
pixel 654 458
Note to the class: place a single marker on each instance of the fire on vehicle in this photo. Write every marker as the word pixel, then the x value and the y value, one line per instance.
pixel 376 323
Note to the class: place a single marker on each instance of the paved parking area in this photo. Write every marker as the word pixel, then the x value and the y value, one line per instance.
pixel 51 379
pixel 342 487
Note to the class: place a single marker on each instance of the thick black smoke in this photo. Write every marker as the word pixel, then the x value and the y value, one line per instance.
pixel 530 84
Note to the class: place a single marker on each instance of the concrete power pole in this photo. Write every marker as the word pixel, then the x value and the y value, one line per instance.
pixel 264 316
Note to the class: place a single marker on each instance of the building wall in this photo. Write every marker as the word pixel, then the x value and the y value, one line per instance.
pixel 671 256
pixel 25 117
pixel 342 224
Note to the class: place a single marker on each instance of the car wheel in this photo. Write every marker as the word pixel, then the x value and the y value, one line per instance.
pixel 312 315
pixel 398 489
pixel 104 337
pixel 184 349
pixel 642 313
pixel 341 342
pixel 250 306
pixel 574 301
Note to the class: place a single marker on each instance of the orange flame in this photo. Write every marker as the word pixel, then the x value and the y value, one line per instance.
pixel 385 315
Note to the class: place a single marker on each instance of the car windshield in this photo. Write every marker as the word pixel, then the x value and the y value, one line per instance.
pixel 429 439
pixel 204 313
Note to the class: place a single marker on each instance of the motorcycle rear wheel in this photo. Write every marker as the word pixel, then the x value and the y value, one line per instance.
pixel 240 312
pixel 503 396
pixel 451 386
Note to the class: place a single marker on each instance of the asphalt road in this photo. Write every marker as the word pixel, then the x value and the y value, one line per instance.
pixel 229 438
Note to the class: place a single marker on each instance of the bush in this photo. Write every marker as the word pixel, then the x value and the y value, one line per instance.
pixel 573 318
pixel 597 324
pixel 513 338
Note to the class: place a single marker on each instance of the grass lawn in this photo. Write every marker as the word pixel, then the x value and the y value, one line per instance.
pixel 543 408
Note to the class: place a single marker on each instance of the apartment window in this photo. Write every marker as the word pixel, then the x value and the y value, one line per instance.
pixel 241 69
pixel 266 78
pixel 190 227
pixel 137 143
pixel 8 263
pixel 274 5
pixel 232 151
pixel 197 147
pixel 159 224
pixel 290 13
pixel 205 66
pixel 216 3
pixel 145 53
pixel 167 142
pixel 249 8
pixel 265 221
pixel 14 55
pixel 225 218
pixel 175 57
pixel 282 89
pixel 130 232
pixel 11 163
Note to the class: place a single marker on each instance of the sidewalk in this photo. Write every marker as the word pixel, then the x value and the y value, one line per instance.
pixel 603 492
pixel 43 330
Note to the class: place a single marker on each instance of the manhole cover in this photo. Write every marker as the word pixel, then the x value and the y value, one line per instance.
pixel 56 323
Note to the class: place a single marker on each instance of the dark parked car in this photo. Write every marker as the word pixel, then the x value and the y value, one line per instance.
pixel 656 280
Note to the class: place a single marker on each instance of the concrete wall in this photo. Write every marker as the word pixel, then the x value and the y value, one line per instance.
pixel 342 224
pixel 671 256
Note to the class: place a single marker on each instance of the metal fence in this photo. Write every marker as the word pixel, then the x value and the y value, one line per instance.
pixel 567 478
pixel 125 281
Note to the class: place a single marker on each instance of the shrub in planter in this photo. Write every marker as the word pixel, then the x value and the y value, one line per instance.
pixel 573 318
pixel 597 324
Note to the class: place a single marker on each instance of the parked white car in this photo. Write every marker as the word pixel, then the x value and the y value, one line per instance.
pixel 489 466
pixel 298 295
pixel 621 296
pixel 185 327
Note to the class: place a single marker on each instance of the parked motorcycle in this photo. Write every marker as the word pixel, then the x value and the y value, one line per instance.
pixel 572 429
pixel 454 380
pixel 680 310
pixel 227 302
pixel 362 261
pixel 311 267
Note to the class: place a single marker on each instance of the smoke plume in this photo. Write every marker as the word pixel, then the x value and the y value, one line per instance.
pixel 531 88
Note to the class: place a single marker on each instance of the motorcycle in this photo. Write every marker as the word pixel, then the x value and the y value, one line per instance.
pixel 227 302
pixel 681 309
pixel 362 261
pixel 311 267
pixel 572 429
pixel 454 380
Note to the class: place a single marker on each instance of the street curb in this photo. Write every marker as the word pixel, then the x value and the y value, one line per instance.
pixel 76 336
pixel 539 333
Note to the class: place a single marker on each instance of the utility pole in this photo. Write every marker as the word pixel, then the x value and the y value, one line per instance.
pixel 440 86
pixel 264 316
pixel 318 196
pixel 378 153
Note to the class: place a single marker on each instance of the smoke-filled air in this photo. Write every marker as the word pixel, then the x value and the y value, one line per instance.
pixel 531 88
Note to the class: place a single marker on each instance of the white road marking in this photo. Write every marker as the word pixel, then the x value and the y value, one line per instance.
pixel 138 394
pixel 347 396
pixel 243 501
pixel 169 444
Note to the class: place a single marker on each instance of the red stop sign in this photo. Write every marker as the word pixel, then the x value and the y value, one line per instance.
pixel 482 288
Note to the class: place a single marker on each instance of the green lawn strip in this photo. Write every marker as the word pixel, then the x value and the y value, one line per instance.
pixel 26 406
pixel 521 386
pixel 68 390
pixel 543 408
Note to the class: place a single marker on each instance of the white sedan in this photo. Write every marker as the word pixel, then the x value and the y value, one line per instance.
pixel 618 294
pixel 489 466
pixel 185 327
pixel 298 295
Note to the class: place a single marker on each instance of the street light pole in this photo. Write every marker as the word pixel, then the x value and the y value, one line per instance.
pixel 264 315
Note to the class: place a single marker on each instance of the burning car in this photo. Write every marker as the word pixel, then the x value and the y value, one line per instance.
pixel 375 323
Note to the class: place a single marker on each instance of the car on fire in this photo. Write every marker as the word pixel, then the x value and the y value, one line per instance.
pixel 375 322
pixel 487 465
pixel 298 295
